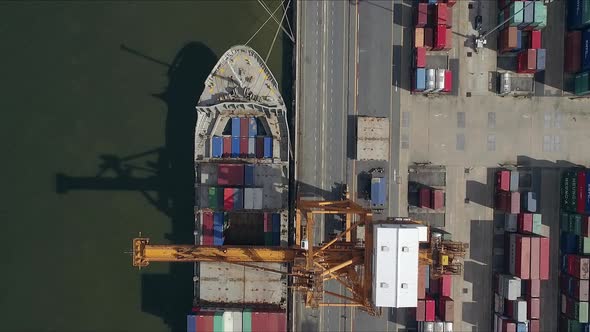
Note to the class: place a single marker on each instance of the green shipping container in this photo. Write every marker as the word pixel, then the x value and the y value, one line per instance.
pixel 573 191
pixel 564 223
pixel 213 197
pixel 501 17
pixel 583 245
pixel 581 83
pixel 576 224
pixel 247 321
pixel 268 238
pixel 581 311
pixel 516 7
pixel 585 19
pixel 540 15
pixel 565 191
pixel 218 321
pixel 537 222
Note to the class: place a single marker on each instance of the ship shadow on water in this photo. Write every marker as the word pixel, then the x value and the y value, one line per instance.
pixel 167 183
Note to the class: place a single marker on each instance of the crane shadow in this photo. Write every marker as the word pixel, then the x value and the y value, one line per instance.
pixel 164 176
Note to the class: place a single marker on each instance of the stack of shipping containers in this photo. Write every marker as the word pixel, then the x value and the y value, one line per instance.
pixel 577 45
pixel 236 321
pixel 436 308
pixel 575 250
pixel 433 23
pixel 244 141
pixel 517 295
pixel 521 34
pixel 429 198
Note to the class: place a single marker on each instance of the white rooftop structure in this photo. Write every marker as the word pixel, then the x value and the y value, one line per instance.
pixel 395 264
pixel 372 138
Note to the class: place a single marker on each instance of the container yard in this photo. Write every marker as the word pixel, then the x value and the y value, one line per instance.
pixel 577 45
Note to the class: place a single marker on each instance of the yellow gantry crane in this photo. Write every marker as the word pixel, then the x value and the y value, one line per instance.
pixel 344 258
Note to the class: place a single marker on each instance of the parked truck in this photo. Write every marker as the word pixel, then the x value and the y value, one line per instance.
pixel 378 191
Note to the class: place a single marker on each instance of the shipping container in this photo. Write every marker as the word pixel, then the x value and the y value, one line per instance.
pixel 230 174
pixel 503 180
pixel 438 199
pixel 585 17
pixel 535 257
pixel 235 147
pixel 252 127
pixel 228 199
pixel 268 147
pixel 515 10
pixel 587 208
pixel 508 326
pixel 446 285
pixel 235 127
pixel 578 266
pixel 581 84
pixel 428 39
pixel 424 198
pixel 525 222
pixel 522 262
pixel 527 14
pixel 535 39
pixel 243 147
pixel 441 14
pixel 421 311
pixel 585 49
pixel 541 58
pixel 213 198
pixel 259 147
pixel 420 79
pixel 427 277
pixel 227 150
pixel 440 37
pixel 449 18
pixel 440 80
pixel 577 310
pixel 244 127
pixel 421 18
pixel 238 198
pixel 574 13
pixel 253 198
pixel 276 222
pixel 419 37
pixel 544 258
pixel 540 12
pixel 191 323
pixel 527 61
pixel 446 307
pixel 421 281
pixel 568 243
pixel 502 201
pixel 429 315
pixel 207 229
pixel 420 57
pixel 448 327
pixel 520 310
pixel 216 147
pixel 205 321
pixel 514 180
pixel 532 287
pixel 581 192
pixel 218 220
pixel 448 80
pixel 515 202
pixel 534 325
pixel 430 79
pixel 510 222
pixel 378 192
pixel 251 147
pixel 249 175
pixel 529 201
pixel 585 226
pixel 498 303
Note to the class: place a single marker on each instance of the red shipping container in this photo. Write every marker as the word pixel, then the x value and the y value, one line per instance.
pixel 429 315
pixel 495 281
pixel 275 321
pixel 535 258
pixel 449 40
pixel 228 199
pixel 438 199
pixel 451 3
pixel 508 326
pixel 421 15
pixel 582 193
pixel 449 18
pixel 428 38
pixel 204 321
pixel 515 202
pixel 259 321
pixel 226 147
pixel 441 13
pixel 522 264
pixel 525 222
pixel 440 37
pixel 533 288
pixel 230 174
pixel 259 147
pixel 503 201
pixel 503 180
pixel 508 307
pixel 424 195
pixel 544 259
pixel 434 287
pixel 244 147
pixel 446 309
pixel 578 266
pixel 446 284
pixel 207 229
pixel 533 308
pixel 527 61
pixel 420 57
pixel 508 39
pixel 535 39
pixel 244 129
pixel 421 311
pixel 267 225
pixel 422 281
pixel 573 52
pixel 448 81
pixel 586 226
pixel 534 325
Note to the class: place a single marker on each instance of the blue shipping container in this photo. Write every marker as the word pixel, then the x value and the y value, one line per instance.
pixel 528 16
pixel 276 222
pixel 586 49
pixel 235 147
pixel 420 80
pixel 235 127
pixel 518 41
pixel 191 323
pixel 238 199
pixel 522 327
pixel 276 238
pixel 217 146
pixel 432 2
pixel 378 189
pixel 252 127
pixel 587 191
pixel 564 263
pixel 574 13
pixel 569 243
pixel 249 175
pixel 267 147
pixel 427 278
pixel 218 228
pixel 541 56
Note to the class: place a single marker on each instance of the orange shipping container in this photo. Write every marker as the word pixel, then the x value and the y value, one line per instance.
pixel 419 37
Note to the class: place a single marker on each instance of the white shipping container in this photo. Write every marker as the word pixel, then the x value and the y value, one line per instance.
pixel 512 254
pixel 440 80
pixel 520 310
pixel 253 198
pixel 228 321
pixel 430 80
pixel 251 147
pixel 439 327
pixel 426 326
pixel 237 320
pixel 510 222
pixel 448 326
pixel 563 303
pixel 514 176
pixel 511 287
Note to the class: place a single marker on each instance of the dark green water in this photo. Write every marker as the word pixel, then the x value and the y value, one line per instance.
pixel 85 85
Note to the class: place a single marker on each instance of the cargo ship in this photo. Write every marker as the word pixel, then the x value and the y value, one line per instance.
pixel 241 193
